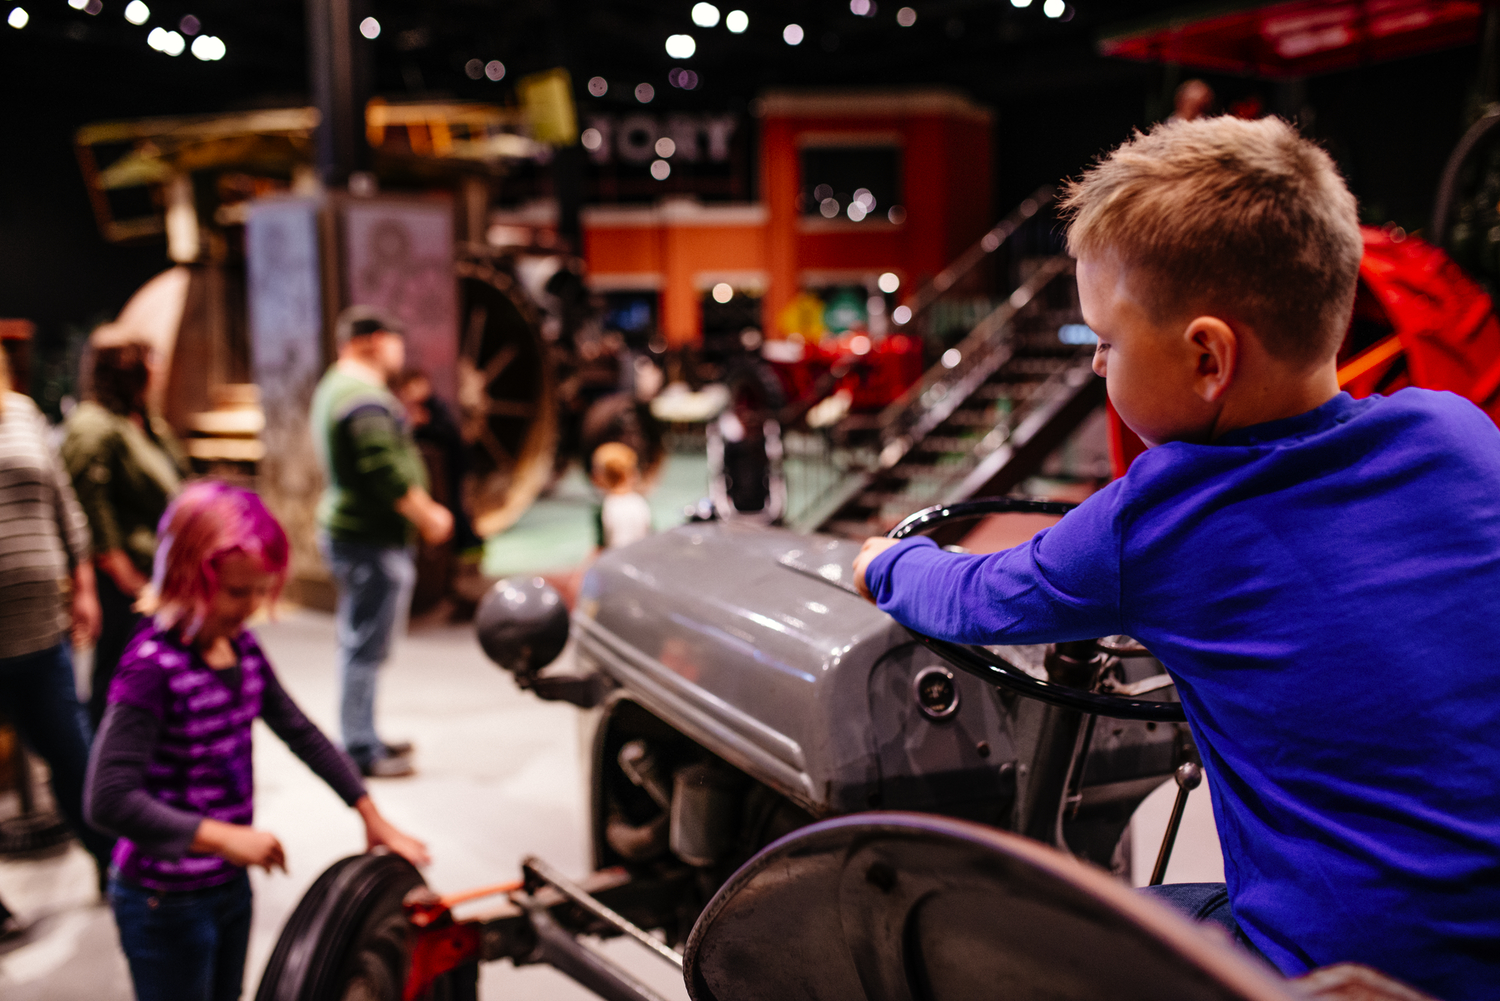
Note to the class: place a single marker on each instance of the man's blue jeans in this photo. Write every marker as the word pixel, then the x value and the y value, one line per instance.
pixel 187 946
pixel 39 694
pixel 375 585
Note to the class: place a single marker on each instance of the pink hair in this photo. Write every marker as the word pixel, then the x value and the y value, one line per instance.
pixel 208 521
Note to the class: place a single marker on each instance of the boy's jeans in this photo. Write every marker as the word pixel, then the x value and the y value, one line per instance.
pixel 375 585
pixel 187 946
pixel 1203 902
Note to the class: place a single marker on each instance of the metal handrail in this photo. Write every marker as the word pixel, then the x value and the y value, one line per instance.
pixel 966 262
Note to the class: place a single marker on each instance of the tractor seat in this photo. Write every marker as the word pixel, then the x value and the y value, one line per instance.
pixel 913 907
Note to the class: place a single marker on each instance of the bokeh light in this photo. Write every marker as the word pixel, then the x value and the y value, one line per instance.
pixel 370 28
pixel 598 86
pixel 865 199
pixel 494 70
pixel 661 170
pixel 665 147
pixel 856 212
pixel 705 15
pixel 889 282
pixel 137 12
pixel 208 48
pixel 901 315
pixel 592 139
pixel 862 8
pixel 792 34
pixel 681 46
pixel 18 18
pixel 78 4
pixel 829 207
pixel 952 357
pixel 723 292
pixel 1020 3
pixel 737 21
pixel 683 79
pixel 189 25
pixel 896 215
pixel 644 92
pixel 859 344
pixel 474 69
pixel 1054 8
pixel 906 17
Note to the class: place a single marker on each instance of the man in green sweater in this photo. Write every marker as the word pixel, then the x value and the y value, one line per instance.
pixel 375 501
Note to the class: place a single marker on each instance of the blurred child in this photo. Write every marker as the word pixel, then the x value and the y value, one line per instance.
pixel 171 770
pixel 625 516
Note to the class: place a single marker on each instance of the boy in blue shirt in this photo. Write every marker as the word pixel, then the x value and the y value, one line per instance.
pixel 1320 575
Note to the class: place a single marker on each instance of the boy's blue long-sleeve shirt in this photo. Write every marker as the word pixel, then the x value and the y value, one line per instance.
pixel 1325 590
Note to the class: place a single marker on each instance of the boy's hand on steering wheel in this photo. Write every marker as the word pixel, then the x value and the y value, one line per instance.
pixel 873 547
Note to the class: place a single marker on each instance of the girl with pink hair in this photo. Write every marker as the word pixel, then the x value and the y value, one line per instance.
pixel 171 770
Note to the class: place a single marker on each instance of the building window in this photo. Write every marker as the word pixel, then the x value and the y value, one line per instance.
pixel 852 183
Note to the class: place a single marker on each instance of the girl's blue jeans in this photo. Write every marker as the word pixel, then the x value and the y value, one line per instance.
pixel 184 946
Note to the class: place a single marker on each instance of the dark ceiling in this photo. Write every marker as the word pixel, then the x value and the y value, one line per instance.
pixel 1058 103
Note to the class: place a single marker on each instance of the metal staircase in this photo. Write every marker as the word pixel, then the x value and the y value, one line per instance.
pixel 979 422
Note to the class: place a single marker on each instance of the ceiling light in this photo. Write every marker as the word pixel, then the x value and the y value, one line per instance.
pixel 681 46
pixel 18 18
pixel 737 21
pixel 208 48
pixel 370 28
pixel 705 15
pixel 137 12
pixel 792 34
pixel 906 17
pixel 1054 8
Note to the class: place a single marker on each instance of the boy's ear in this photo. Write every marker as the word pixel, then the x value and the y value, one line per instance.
pixel 1216 348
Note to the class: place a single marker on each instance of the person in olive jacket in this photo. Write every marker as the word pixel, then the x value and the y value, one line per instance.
pixel 126 466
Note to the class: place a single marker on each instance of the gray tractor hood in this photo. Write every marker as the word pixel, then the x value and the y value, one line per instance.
pixel 785 673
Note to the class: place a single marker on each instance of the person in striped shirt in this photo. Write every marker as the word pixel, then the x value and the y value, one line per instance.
pixel 46 593
pixel 172 771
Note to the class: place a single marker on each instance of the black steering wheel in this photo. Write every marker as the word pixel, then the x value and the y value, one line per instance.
pixel 983 664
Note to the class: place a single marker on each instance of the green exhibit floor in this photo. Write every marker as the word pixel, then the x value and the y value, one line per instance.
pixel 557 532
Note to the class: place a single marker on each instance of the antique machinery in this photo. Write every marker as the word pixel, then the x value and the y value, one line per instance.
pixel 744 724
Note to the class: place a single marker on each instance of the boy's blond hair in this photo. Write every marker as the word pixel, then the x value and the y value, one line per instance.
pixel 614 464
pixel 1242 219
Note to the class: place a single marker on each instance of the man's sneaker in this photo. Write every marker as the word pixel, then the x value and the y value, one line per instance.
pixel 397 749
pixel 388 766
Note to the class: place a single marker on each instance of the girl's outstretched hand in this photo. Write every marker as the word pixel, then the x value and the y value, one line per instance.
pixel 379 831
pixel 243 846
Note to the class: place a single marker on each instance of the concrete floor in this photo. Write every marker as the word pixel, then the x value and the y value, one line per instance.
pixel 501 776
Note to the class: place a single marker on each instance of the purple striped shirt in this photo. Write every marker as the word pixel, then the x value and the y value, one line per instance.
pixel 202 761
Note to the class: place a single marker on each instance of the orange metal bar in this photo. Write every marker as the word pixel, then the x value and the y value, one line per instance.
pixel 482 891
pixel 1370 358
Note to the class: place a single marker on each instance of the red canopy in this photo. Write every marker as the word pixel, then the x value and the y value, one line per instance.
pixel 1301 38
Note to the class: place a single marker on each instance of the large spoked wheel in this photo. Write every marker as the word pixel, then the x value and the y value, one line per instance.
pixel 980 662
pixel 506 396
pixel 348 939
